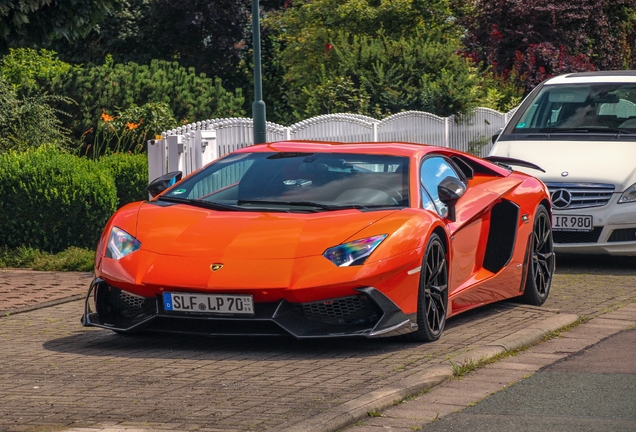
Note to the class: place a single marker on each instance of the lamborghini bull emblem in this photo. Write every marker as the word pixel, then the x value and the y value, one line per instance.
pixel 216 267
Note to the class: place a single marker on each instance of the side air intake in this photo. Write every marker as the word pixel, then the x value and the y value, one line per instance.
pixel 504 218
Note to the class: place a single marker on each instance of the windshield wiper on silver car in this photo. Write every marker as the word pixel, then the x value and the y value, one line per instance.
pixel 199 203
pixel 587 129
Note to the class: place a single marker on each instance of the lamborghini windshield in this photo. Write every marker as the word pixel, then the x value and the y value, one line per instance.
pixel 292 181
pixel 581 108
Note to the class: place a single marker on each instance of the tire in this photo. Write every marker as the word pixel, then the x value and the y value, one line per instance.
pixel 432 301
pixel 541 260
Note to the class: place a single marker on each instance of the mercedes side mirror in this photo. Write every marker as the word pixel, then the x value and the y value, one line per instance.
pixel 493 139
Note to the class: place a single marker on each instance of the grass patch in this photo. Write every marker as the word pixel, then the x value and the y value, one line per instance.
pixel 462 369
pixel 459 370
pixel 410 397
pixel 374 413
pixel 72 259
pixel 557 333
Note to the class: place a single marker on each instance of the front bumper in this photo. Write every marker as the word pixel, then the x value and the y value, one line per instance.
pixel 614 231
pixel 368 314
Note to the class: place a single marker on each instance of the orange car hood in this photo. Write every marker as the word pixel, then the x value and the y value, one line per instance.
pixel 186 231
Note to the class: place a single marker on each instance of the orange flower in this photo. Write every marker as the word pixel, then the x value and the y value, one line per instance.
pixel 132 126
pixel 107 117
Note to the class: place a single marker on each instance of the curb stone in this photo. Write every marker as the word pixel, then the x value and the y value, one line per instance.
pixel 6 313
pixel 358 409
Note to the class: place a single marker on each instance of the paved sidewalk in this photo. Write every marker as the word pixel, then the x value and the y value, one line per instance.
pixel 441 409
pixel 56 375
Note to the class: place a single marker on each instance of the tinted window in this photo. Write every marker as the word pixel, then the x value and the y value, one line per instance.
pixel 327 178
pixel 598 106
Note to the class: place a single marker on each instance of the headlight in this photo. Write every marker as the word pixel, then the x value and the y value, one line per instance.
pixel 120 244
pixel 629 195
pixel 355 252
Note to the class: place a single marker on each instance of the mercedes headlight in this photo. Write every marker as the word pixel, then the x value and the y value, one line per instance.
pixel 629 195
pixel 355 252
pixel 120 244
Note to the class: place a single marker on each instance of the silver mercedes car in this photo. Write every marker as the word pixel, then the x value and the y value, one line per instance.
pixel 581 129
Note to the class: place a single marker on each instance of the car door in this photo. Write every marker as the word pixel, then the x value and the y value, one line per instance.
pixel 468 231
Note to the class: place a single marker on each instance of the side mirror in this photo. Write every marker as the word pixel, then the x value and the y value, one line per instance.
pixel 493 139
pixel 162 183
pixel 450 190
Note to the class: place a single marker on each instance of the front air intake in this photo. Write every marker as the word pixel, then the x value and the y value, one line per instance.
pixel 358 309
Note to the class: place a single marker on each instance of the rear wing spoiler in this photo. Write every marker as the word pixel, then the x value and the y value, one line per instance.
pixel 502 160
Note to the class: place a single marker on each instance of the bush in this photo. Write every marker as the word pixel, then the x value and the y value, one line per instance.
pixel 130 129
pixel 29 121
pixel 72 259
pixel 378 76
pixel 130 173
pixel 50 200
pixel 112 88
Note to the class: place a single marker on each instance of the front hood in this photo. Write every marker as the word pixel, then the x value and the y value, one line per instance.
pixel 612 162
pixel 186 231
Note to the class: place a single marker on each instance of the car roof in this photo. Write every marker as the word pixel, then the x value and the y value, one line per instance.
pixel 384 148
pixel 617 76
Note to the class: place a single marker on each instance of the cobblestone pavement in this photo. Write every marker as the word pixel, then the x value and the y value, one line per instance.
pixel 22 290
pixel 57 375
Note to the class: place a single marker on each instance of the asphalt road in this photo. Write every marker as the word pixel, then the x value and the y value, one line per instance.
pixel 592 390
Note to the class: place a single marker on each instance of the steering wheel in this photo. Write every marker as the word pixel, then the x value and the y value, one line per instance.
pixel 394 194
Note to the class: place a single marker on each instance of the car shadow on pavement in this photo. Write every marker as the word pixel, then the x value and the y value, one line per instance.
pixel 596 264
pixel 105 343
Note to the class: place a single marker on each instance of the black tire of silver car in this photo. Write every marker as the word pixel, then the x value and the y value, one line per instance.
pixel 541 260
pixel 433 293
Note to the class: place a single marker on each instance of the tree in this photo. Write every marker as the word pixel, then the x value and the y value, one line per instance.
pixel 536 39
pixel 372 57
pixel 31 23
pixel 211 36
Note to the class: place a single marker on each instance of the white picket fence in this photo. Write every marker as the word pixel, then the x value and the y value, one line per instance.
pixel 192 146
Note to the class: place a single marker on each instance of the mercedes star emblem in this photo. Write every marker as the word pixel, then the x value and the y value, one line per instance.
pixel 561 198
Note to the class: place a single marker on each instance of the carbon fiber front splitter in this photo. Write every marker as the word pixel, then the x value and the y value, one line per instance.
pixel 373 315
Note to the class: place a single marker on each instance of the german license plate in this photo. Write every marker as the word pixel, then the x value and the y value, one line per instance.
pixel 572 223
pixel 209 303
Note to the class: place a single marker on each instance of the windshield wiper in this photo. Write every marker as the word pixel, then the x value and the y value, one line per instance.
pixel 200 203
pixel 321 206
pixel 586 129
pixel 299 204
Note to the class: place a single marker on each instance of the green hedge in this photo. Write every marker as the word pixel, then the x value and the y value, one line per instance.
pixel 130 172
pixel 51 200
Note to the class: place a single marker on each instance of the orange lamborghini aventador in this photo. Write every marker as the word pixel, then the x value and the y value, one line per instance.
pixel 315 239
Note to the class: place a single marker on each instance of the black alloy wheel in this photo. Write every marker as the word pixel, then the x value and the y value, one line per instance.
pixel 541 260
pixel 433 293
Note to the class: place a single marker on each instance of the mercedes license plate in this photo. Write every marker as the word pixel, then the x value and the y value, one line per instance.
pixel 572 223
pixel 209 303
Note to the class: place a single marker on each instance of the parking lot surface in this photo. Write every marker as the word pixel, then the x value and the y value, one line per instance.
pixel 57 375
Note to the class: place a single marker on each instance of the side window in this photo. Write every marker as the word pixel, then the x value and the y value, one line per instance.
pixel 220 179
pixel 433 171
pixel 427 202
